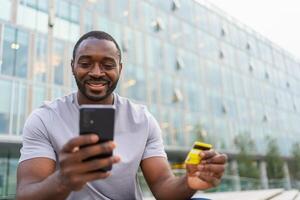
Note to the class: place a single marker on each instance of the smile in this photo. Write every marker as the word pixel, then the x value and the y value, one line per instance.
pixel 97 85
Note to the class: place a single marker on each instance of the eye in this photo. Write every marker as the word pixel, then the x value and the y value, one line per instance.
pixel 109 66
pixel 85 64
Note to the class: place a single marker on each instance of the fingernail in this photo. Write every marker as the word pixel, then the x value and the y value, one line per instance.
pixel 200 167
pixel 117 159
pixel 75 149
pixel 113 144
pixel 202 154
pixel 94 138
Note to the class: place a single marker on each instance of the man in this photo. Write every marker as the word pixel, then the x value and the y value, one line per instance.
pixel 51 164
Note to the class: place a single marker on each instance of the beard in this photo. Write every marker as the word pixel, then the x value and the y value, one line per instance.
pixel 95 97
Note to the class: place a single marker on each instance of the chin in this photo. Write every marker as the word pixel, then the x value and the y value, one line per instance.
pixel 96 97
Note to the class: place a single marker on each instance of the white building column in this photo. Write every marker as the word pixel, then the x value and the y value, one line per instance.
pixel 236 176
pixel 263 174
pixel 287 176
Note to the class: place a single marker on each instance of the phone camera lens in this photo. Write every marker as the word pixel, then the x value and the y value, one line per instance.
pixel 91 121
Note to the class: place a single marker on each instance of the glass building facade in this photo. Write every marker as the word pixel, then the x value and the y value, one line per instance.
pixel 193 65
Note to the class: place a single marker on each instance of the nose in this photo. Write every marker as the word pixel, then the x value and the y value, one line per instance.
pixel 96 70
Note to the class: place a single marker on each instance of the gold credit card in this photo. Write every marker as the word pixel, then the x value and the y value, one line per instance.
pixel 193 156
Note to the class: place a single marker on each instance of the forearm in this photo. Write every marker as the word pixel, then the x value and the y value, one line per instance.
pixel 47 189
pixel 173 188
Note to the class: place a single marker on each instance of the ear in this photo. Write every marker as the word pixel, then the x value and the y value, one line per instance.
pixel 120 67
pixel 72 66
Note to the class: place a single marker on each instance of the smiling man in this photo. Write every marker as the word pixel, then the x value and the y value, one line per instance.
pixel 51 164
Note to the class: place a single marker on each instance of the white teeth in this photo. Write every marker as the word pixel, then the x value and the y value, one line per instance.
pixel 97 83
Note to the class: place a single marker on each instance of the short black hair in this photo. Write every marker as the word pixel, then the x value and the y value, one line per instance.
pixel 101 35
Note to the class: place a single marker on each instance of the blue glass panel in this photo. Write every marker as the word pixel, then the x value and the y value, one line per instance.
pixel 5 7
pixel 5 105
pixel 40 63
pixel 8 52
pixel 58 64
pixel 22 54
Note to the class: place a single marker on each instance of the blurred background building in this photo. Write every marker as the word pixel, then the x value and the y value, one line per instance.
pixel 202 73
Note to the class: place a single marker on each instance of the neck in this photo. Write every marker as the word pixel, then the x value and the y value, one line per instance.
pixel 83 100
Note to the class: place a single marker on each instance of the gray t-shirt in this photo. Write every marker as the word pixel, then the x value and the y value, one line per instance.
pixel 137 135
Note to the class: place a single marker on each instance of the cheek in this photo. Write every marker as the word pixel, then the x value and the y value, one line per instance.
pixel 79 73
pixel 113 75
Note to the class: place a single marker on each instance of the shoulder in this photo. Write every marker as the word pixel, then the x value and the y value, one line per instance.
pixel 50 108
pixel 133 108
pixel 60 103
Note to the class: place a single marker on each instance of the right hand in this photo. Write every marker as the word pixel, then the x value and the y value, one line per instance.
pixel 74 173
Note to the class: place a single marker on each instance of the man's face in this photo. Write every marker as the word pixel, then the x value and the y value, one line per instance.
pixel 96 68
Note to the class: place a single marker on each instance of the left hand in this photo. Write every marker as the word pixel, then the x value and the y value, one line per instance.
pixel 208 173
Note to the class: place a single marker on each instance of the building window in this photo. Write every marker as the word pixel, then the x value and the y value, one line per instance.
pixel 267 76
pixel 175 5
pixel 40 5
pixel 38 95
pixel 177 96
pixel 223 33
pixel 5 7
pixel 58 62
pixel 224 109
pixel 158 25
pixel 265 118
pixel 40 62
pixel 221 55
pixel 251 68
pixel 5 104
pixel 66 24
pixel 15 56
pixel 179 63
pixel 33 14
pixel 88 20
pixel 248 47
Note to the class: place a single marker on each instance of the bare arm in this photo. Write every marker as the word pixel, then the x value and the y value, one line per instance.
pixel 37 178
pixel 162 182
pixel 164 185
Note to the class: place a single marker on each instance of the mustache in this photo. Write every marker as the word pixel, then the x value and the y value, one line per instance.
pixel 100 79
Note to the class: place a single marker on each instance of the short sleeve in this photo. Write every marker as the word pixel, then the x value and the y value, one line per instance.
pixel 154 145
pixel 36 142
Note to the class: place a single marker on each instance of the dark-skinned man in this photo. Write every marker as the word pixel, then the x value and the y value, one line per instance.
pixel 51 164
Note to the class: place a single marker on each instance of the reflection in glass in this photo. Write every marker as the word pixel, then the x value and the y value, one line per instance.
pixel 40 62
pixel 5 7
pixel 22 54
pixel 8 52
pixel 15 54
pixel 20 107
pixel 5 105
pixel 58 62
pixel 38 96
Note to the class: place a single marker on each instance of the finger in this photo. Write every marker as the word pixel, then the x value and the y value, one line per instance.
pixel 218 175
pixel 96 164
pixel 94 150
pixel 217 159
pixel 208 154
pixel 214 168
pixel 80 141
pixel 92 176
pixel 79 181
pixel 209 179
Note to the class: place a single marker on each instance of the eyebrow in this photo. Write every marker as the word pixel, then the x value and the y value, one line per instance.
pixel 84 57
pixel 90 57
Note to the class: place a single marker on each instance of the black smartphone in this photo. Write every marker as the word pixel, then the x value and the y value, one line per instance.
pixel 98 119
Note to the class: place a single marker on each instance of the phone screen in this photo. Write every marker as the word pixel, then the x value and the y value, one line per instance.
pixel 98 119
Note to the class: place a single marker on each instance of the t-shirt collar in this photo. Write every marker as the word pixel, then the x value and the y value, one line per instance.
pixel 75 99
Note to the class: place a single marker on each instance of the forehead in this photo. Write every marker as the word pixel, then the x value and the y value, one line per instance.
pixel 94 46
